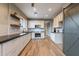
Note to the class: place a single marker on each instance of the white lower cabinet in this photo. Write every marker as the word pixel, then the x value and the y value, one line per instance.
pixel 14 47
pixel 57 38
pixel 0 50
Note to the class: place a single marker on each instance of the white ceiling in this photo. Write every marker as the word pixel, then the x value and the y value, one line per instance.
pixel 41 9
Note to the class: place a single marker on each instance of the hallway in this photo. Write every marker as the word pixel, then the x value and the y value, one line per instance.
pixel 41 47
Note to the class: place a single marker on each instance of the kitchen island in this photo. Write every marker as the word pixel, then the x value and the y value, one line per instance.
pixel 12 45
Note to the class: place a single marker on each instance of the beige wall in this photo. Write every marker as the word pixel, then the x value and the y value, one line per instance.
pixel 6 19
pixel 3 19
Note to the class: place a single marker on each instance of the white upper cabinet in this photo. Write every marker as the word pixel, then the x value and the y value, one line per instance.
pixel 32 23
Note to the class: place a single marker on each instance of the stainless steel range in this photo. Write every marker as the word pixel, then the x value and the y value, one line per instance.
pixel 37 34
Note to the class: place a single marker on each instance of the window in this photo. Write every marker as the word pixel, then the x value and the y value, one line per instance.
pixel 23 24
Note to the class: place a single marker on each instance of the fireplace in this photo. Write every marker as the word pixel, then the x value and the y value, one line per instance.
pixel 37 34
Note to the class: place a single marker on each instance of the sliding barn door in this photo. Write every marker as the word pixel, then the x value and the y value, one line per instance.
pixel 71 30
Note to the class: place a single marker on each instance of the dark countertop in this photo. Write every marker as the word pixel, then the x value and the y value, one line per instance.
pixel 56 32
pixel 11 37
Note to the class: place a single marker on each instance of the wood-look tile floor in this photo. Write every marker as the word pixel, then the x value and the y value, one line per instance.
pixel 42 47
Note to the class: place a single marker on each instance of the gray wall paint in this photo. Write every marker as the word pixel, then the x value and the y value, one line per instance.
pixel 71 30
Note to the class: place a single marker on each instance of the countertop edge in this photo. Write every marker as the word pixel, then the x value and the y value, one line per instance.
pixel 6 40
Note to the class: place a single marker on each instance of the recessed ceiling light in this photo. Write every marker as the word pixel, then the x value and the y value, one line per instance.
pixel 50 9
pixel 34 9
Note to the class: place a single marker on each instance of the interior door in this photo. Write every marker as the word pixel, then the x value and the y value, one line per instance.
pixel 71 30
